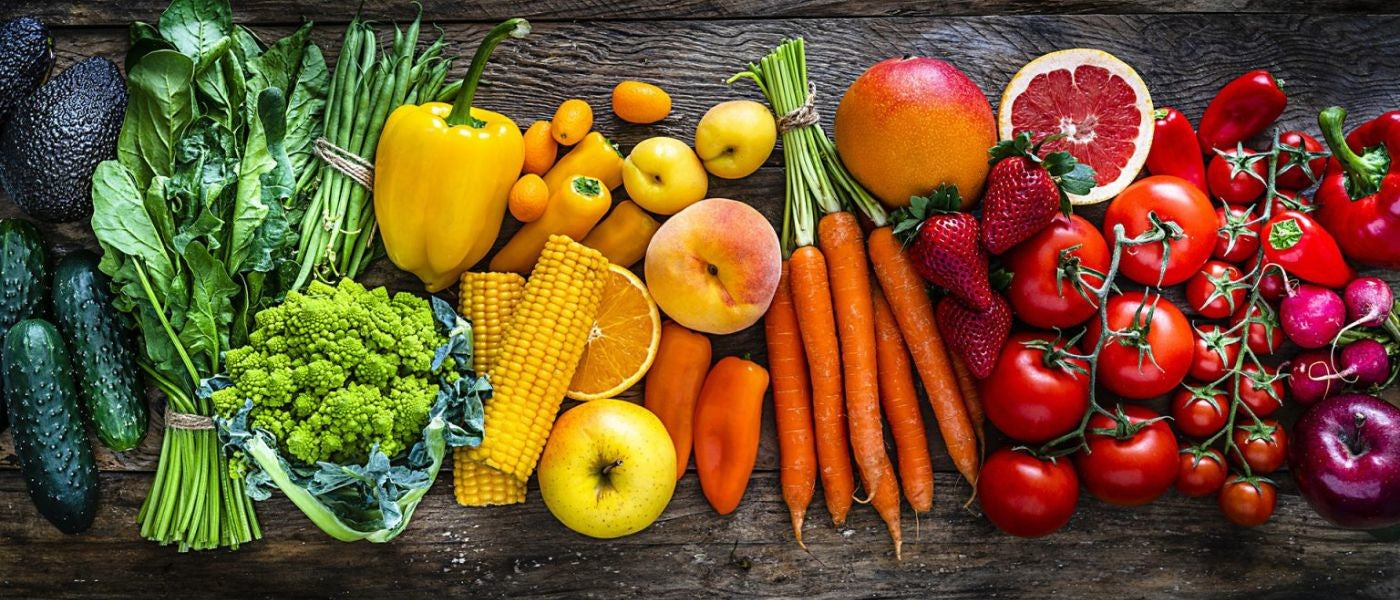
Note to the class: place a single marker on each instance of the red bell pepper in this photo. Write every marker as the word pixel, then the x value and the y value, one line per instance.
pixel 1241 110
pixel 1305 250
pixel 1174 149
pixel 1359 198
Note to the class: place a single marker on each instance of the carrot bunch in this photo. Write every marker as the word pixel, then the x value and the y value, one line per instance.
pixel 837 350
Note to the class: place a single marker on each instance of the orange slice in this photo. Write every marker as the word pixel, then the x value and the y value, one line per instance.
pixel 1098 102
pixel 622 344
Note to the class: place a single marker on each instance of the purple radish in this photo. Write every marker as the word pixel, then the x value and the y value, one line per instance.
pixel 1364 363
pixel 1312 378
pixel 1311 315
pixel 1368 301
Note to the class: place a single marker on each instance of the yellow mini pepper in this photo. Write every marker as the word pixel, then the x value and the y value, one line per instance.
pixel 442 176
pixel 573 210
pixel 595 157
pixel 624 235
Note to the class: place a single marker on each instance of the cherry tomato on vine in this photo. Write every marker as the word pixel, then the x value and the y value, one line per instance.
pixel 1035 393
pixel 1216 290
pixel 1144 324
pixel 1290 200
pixel 1045 268
pixel 1215 352
pixel 1237 175
pixel 1026 496
pixel 1168 200
pixel 1133 465
pixel 1261 389
pixel 1200 411
pixel 1264 444
pixel 1238 234
pixel 1301 161
pixel 1248 502
pixel 1271 284
pixel 1263 334
pixel 1202 472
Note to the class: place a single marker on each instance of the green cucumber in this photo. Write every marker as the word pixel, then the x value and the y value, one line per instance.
pixel 52 447
pixel 101 350
pixel 22 278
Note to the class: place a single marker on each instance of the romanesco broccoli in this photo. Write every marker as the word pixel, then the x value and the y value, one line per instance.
pixel 335 370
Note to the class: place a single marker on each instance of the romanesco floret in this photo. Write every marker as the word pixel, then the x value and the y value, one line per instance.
pixel 333 371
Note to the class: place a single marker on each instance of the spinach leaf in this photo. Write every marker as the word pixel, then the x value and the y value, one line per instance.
pixel 305 107
pixel 142 40
pixel 160 107
pixel 278 66
pixel 249 210
pixel 197 28
pixel 120 220
pixel 211 307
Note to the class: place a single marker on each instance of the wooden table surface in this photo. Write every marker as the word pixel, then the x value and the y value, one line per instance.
pixel 1328 51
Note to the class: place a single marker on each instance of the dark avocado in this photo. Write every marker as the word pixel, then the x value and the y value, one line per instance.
pixel 26 57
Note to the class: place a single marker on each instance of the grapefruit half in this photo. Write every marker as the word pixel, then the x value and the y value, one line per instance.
pixel 1098 102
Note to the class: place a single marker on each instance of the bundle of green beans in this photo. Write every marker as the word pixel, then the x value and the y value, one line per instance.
pixel 338 232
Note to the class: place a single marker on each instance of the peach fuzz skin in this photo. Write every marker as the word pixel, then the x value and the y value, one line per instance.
pixel 714 266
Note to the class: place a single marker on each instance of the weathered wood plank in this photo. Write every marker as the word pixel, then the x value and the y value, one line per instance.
pixel 1183 58
pixel 81 13
pixel 1171 548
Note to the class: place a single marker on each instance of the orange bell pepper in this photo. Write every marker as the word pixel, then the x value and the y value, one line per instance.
pixel 673 385
pixel 727 418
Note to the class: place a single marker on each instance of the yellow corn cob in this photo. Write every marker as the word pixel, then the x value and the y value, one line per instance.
pixel 488 299
pixel 539 353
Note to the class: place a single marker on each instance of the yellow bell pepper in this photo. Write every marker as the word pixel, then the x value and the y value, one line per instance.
pixel 442 176
pixel 594 157
pixel 572 211
pixel 624 235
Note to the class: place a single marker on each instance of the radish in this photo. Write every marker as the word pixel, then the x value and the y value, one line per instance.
pixel 1364 363
pixel 1312 315
pixel 1368 301
pixel 1312 377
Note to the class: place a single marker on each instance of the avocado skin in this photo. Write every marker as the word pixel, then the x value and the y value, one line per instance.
pixel 26 57
pixel 55 138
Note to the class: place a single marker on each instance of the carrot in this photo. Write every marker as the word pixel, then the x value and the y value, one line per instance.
pixel 971 398
pixel 848 270
pixel 912 309
pixel 811 295
pixel 792 404
pixel 901 403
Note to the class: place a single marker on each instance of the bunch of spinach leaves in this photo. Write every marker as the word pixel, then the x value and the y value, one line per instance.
pixel 199 229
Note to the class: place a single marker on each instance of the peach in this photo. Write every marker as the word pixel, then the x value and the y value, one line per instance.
pixel 714 266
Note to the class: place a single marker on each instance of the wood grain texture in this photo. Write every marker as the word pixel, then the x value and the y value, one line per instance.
pixel 120 12
pixel 1174 546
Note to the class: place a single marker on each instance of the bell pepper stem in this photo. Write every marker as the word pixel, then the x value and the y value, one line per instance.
pixel 462 109
pixel 1364 172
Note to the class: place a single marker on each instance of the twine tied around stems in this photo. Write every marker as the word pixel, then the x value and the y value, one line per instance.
pixel 801 116
pixel 187 421
pixel 346 162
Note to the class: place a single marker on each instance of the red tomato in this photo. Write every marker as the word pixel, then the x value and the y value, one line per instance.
pixel 1264 335
pixel 1238 237
pixel 1237 178
pixel 1201 473
pixel 1199 411
pixel 1134 470
pixel 1290 200
pixel 1170 200
pixel 1264 445
pixel 1216 290
pixel 1035 396
pixel 1248 502
pixel 1271 284
pixel 1143 323
pixel 1026 496
pixel 1215 352
pixel 1301 163
pixel 1042 291
pixel 1262 390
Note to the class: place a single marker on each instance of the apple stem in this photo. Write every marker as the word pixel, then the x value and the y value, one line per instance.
pixel 608 468
pixel 1355 442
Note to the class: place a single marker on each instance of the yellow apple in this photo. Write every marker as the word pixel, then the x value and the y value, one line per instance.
pixel 608 469
pixel 735 138
pixel 663 175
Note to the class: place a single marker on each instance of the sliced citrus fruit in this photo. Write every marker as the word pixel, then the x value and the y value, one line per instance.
pixel 1097 101
pixel 622 344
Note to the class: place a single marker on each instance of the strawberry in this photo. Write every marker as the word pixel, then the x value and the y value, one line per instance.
pixel 1025 191
pixel 977 336
pixel 942 242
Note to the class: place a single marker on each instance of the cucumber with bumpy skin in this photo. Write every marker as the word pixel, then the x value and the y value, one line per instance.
pixel 101 351
pixel 52 447
pixel 22 278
